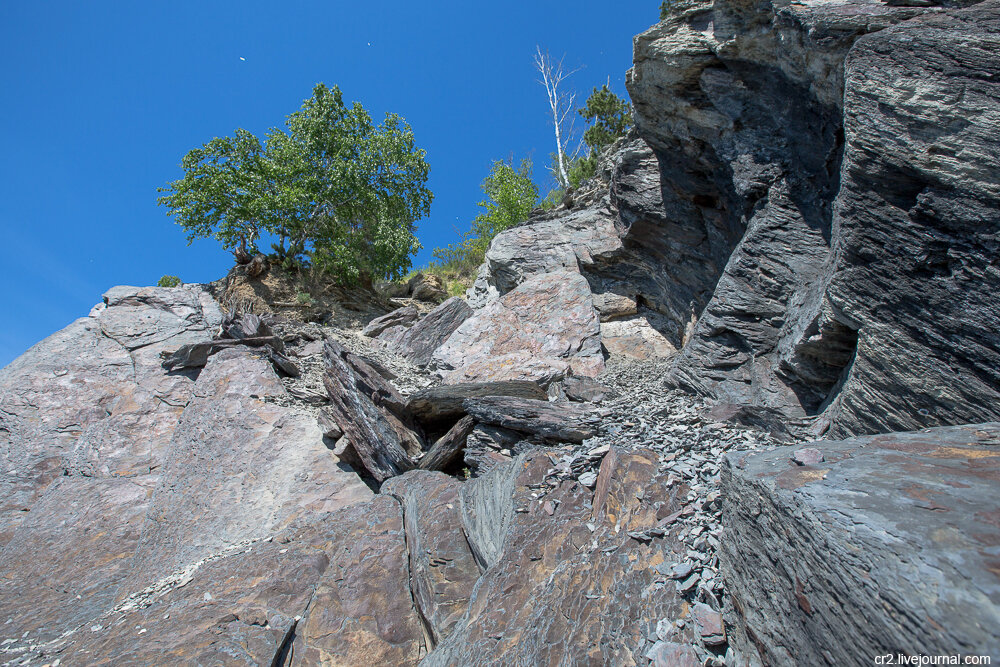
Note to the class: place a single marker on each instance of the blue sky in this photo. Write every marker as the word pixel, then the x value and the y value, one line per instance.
pixel 102 99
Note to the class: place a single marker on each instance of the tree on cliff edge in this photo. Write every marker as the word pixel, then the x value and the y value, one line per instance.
pixel 336 191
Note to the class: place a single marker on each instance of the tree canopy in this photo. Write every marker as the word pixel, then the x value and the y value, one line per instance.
pixel 611 117
pixel 511 196
pixel 334 189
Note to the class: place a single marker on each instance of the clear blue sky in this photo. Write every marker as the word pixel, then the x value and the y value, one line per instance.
pixel 102 99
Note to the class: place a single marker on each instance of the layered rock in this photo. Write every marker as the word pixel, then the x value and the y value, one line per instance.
pixel 864 547
pixel 542 330
pixel 563 582
pixel 419 341
pixel 760 149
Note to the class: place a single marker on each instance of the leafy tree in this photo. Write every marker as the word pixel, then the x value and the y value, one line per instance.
pixel 168 281
pixel 340 193
pixel 511 196
pixel 611 117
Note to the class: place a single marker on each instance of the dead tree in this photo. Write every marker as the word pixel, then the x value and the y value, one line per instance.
pixel 561 106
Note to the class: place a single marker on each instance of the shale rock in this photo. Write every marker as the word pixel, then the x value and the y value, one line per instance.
pixel 542 330
pixel 419 342
pixel 800 127
pixel 400 317
pixel 361 404
pixel 541 419
pixel 443 570
pixel 448 448
pixel 444 402
pixel 555 590
pixel 908 527
pixel 427 287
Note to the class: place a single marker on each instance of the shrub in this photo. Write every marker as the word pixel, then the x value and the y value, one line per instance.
pixel 168 281
pixel 611 117
pixel 303 299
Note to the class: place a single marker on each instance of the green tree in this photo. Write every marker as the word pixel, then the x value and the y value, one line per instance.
pixel 611 117
pixel 338 192
pixel 168 281
pixel 511 196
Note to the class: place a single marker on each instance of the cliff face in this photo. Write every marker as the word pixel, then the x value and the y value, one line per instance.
pixel 837 163
pixel 799 237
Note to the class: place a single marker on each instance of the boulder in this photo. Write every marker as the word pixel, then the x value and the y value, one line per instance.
pixel 443 570
pixel 885 545
pixel 486 446
pixel 542 330
pixel 635 338
pixel 419 342
pixel 444 402
pixel 404 317
pixel 427 287
pixel 538 418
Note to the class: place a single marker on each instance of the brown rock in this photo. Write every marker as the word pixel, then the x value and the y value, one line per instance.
pixel 542 330
pixel 427 287
pixel 443 570
pixel 710 624
pixel 635 338
pixel 670 654
pixel 400 317
pixel 554 592
pixel 542 419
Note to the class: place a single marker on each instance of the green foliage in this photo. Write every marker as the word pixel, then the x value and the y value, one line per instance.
pixel 611 117
pixel 303 299
pixel 340 193
pixel 511 196
pixel 168 281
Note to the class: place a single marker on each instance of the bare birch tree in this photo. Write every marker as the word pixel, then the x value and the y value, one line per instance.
pixel 561 106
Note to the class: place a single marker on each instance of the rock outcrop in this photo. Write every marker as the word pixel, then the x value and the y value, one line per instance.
pixel 783 126
pixel 882 544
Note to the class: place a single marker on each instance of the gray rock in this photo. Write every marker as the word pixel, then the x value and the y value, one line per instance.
pixel 420 341
pixel 487 446
pixel 404 317
pixel 790 127
pixel 907 527
pixel 443 570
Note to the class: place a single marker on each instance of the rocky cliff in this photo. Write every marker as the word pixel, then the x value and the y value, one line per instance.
pixel 598 456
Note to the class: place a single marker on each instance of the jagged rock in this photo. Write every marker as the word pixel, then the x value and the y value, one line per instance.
pixel 542 330
pixel 487 446
pixel 553 243
pixel 635 338
pixel 377 435
pixel 418 342
pixel 908 528
pixel 785 126
pixel 610 305
pixel 443 570
pixel 427 287
pixel 444 402
pixel 329 426
pixel 555 592
pixel 448 447
pixel 542 419
pixel 403 317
